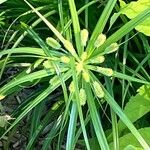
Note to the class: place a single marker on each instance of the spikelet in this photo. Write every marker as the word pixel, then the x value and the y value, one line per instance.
pixel 112 48
pixel 82 95
pixel 84 56
pixel 86 76
pixel 28 70
pixel 98 90
pixel 2 97
pixel 65 59
pixel 122 3
pixel 105 71
pixel 37 63
pixel 79 67
pixel 97 60
pixel 84 36
pixel 72 87
pixel 54 80
pixel 7 117
pixel 100 40
pixel 47 64
pixel 68 45
pixel 56 105
pixel 4 120
pixel 53 43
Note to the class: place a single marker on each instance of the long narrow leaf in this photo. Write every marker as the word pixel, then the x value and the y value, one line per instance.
pixel 37 100
pixel 76 25
pixel 123 31
pixel 96 119
pixel 72 127
pixel 100 25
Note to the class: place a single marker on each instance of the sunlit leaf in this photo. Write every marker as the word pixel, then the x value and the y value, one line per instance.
pixel 138 105
pixel 2 1
pixel 129 139
pixel 133 9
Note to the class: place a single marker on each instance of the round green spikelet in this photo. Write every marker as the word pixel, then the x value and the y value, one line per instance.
pixel 112 48
pixel 68 45
pixel 54 80
pixel 79 67
pixel 100 40
pixel 86 76
pixel 65 59
pixel 105 71
pixel 47 64
pixel 84 56
pixel 53 43
pixel 97 60
pixel 98 90
pixel 82 95
pixel 84 36
pixel 72 87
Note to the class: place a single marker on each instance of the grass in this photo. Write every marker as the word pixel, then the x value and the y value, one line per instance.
pixel 78 93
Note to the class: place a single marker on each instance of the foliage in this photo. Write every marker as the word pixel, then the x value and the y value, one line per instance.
pixel 73 69
pixel 138 105
pixel 132 9
pixel 131 139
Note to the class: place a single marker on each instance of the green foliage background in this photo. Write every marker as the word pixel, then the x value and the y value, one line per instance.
pixel 115 114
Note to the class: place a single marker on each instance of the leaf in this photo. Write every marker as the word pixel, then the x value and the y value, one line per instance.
pixel 133 9
pixel 113 19
pixel 2 18
pixel 116 108
pixel 4 120
pixel 44 93
pixel 129 139
pixel 138 105
pixel 2 1
pixel 125 29
pixel 131 147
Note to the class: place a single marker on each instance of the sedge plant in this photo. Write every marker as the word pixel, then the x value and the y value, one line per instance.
pixel 72 63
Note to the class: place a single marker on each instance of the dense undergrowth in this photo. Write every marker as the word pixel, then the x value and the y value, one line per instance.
pixel 75 74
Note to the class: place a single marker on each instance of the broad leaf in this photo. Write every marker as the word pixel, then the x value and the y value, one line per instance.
pixel 131 147
pixel 2 1
pixel 138 105
pixel 133 9
pixel 129 139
